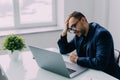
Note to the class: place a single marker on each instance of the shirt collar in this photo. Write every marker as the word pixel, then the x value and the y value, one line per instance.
pixel 90 31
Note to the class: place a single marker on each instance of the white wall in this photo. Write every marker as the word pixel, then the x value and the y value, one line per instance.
pixel 60 13
pixel 94 10
pixel 114 21
pixel 64 8
pixel 84 6
pixel 43 39
pixel 100 12
pixel 105 12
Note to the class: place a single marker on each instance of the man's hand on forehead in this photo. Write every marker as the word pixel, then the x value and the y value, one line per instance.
pixel 68 18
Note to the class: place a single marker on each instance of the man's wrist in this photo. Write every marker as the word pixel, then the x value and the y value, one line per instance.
pixel 64 33
pixel 76 60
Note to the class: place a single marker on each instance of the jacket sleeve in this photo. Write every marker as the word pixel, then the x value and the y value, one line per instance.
pixel 104 48
pixel 65 46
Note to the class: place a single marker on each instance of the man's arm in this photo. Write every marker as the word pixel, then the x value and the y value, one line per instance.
pixel 65 46
pixel 64 32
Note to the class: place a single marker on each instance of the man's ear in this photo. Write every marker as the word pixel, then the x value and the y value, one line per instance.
pixel 83 20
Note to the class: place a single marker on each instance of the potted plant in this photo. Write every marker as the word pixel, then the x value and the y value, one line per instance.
pixel 13 42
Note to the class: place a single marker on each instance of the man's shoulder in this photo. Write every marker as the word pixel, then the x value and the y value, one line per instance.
pixel 97 26
pixel 100 30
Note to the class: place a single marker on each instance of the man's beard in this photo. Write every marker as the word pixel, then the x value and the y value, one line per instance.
pixel 80 32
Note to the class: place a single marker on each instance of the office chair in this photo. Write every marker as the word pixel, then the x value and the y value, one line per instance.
pixel 117 56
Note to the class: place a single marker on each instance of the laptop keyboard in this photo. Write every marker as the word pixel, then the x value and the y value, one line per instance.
pixel 70 70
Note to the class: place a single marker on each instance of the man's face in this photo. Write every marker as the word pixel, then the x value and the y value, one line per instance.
pixel 76 26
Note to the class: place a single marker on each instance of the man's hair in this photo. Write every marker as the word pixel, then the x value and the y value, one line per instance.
pixel 77 15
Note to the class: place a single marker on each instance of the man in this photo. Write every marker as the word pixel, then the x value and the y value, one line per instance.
pixel 93 44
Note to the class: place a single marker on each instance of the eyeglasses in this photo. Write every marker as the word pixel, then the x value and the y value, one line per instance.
pixel 72 28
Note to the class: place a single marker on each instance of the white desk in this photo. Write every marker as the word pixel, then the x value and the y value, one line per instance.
pixel 27 69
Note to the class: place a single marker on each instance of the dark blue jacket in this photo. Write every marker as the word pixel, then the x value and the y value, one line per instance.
pixel 95 51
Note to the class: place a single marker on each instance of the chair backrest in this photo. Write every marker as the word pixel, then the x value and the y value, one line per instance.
pixel 117 56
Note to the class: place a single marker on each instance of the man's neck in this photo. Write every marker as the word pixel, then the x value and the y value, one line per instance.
pixel 87 29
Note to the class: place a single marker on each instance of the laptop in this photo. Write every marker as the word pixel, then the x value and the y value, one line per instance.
pixel 54 62
pixel 3 75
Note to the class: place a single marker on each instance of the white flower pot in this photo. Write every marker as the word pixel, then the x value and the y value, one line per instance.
pixel 15 56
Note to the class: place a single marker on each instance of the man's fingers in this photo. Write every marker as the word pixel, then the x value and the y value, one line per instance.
pixel 67 19
pixel 73 57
